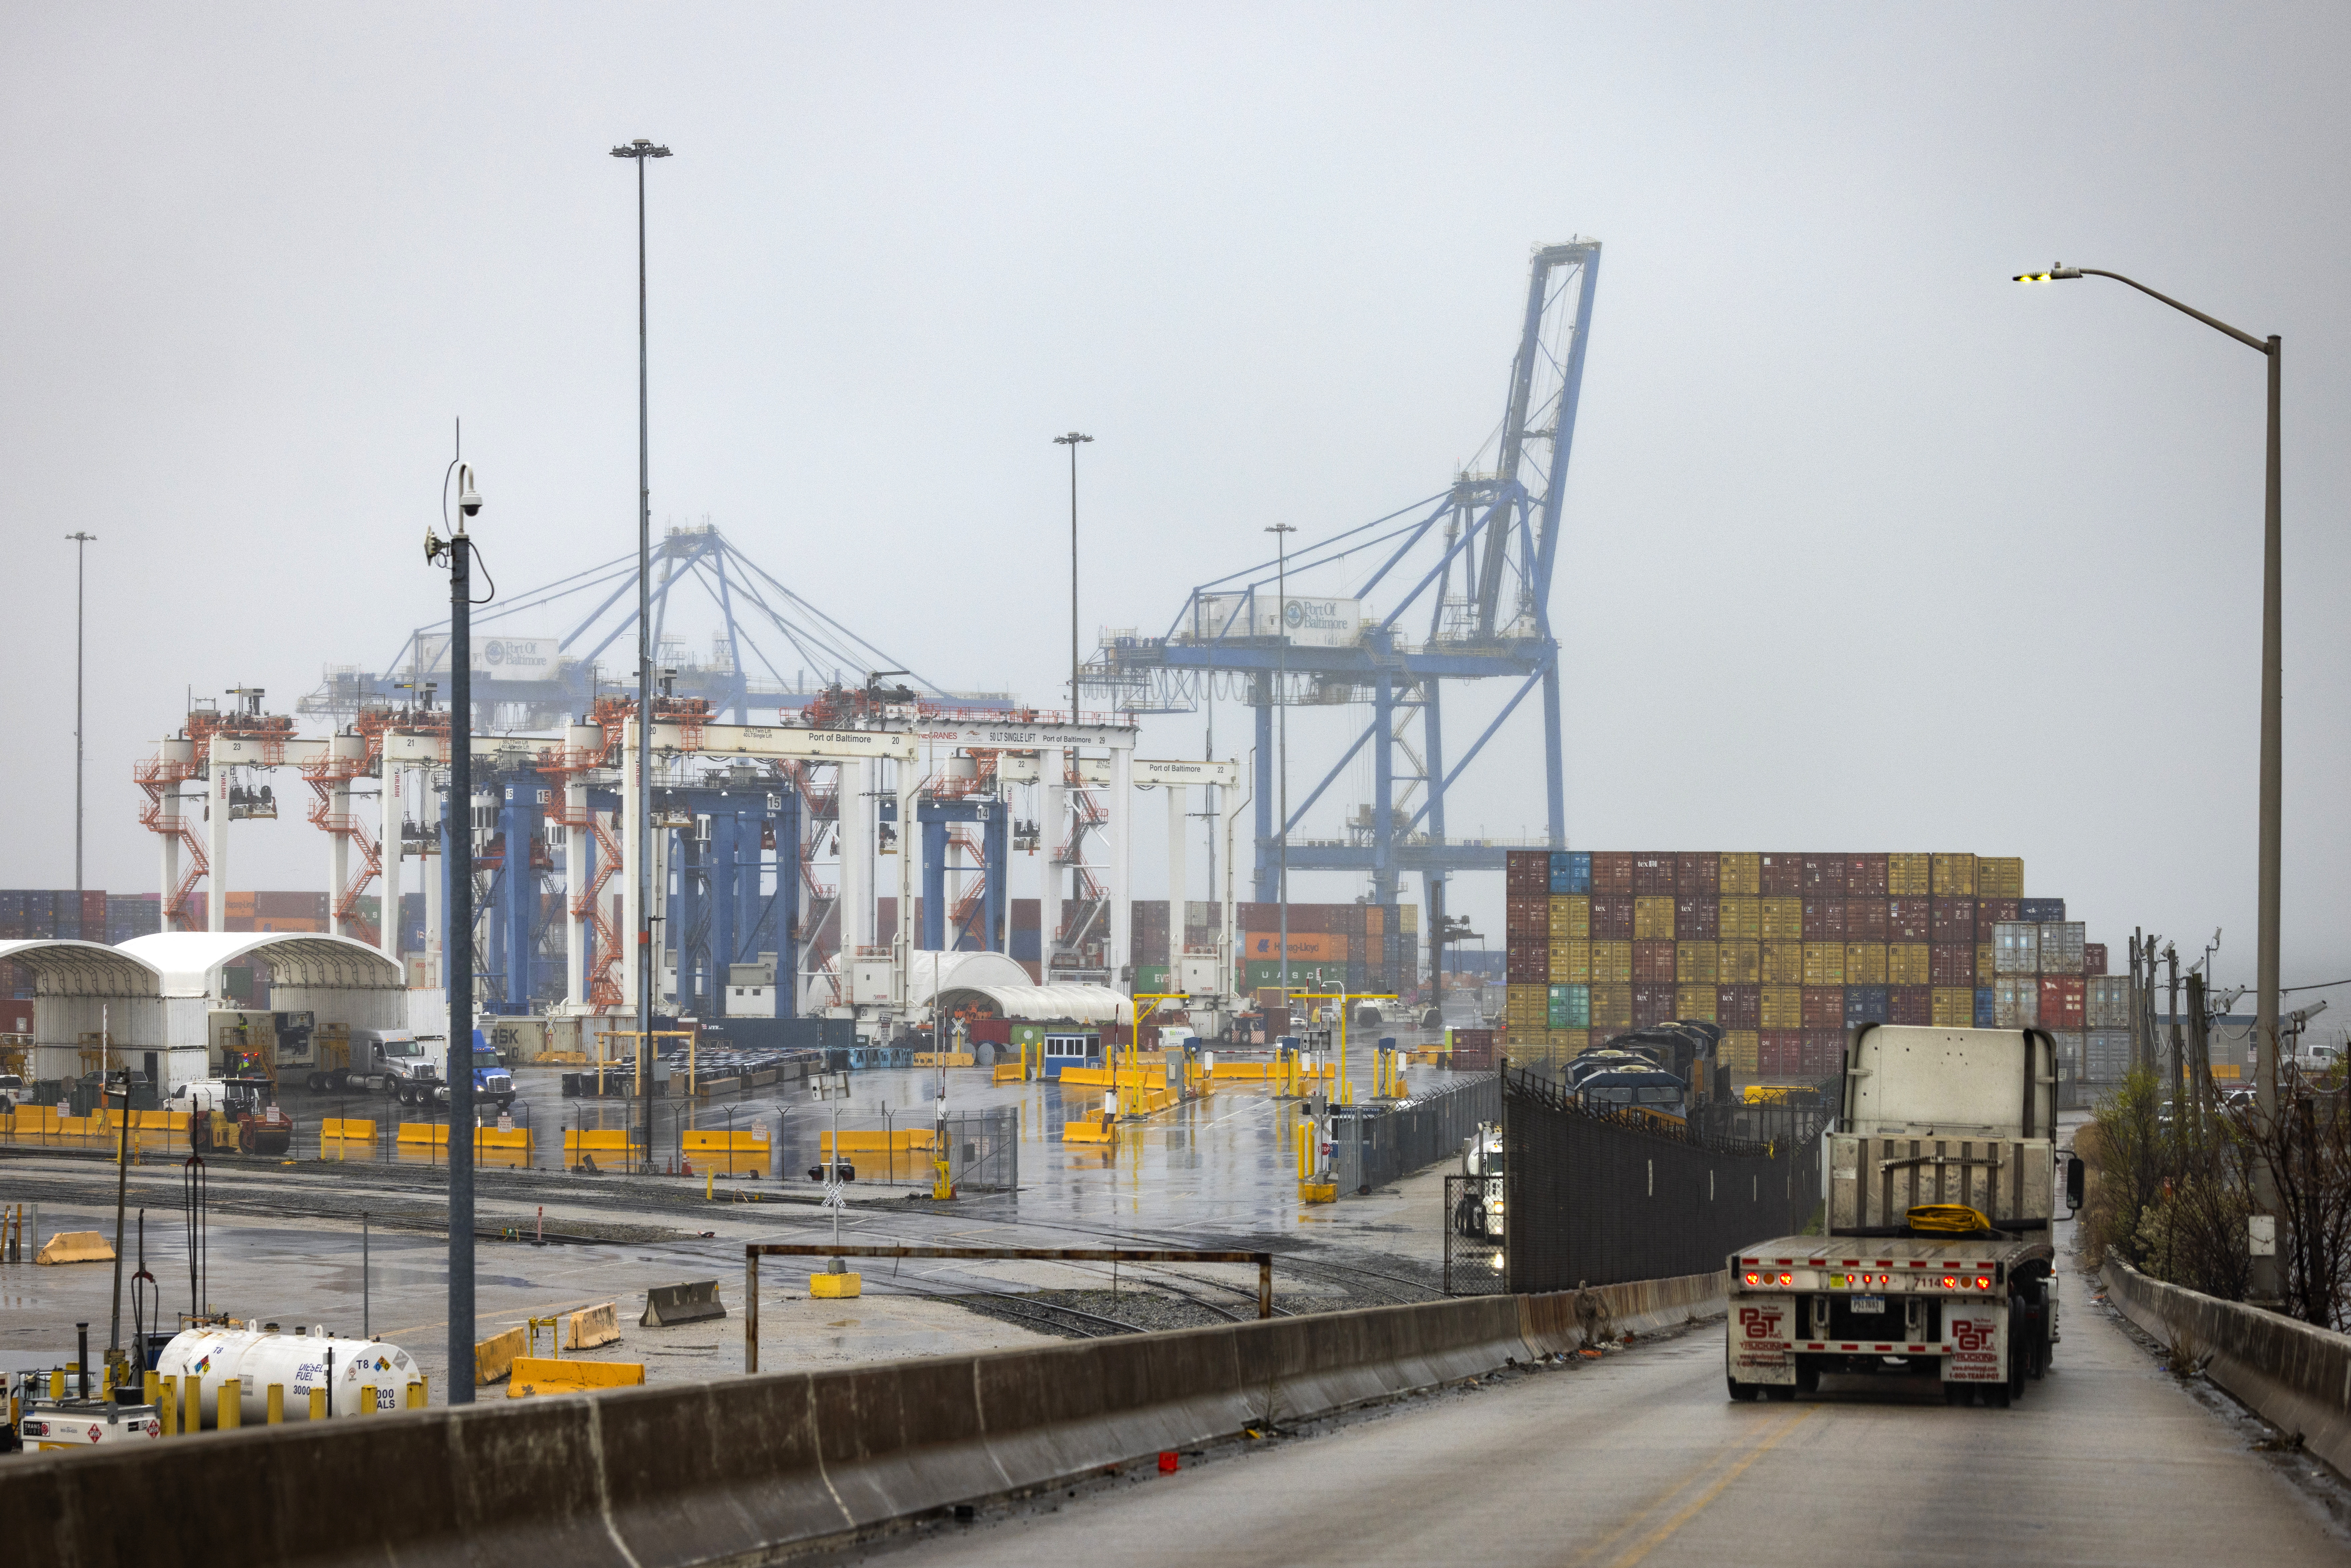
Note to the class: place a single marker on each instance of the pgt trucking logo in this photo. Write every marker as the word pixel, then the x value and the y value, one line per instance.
pixel 1760 1323
pixel 1973 1333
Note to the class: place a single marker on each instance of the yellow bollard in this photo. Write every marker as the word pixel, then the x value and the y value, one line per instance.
pixel 277 1416
pixel 424 1388
pixel 709 1184
pixel 167 1409
pixel 366 1398
pixel 191 1390
pixel 318 1405
pixel 58 1383
pixel 416 1396
pixel 150 1387
pixel 228 1410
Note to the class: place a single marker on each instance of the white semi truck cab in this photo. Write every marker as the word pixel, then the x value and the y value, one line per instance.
pixel 1940 1175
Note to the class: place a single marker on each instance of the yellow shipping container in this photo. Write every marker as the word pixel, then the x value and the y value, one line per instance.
pixel 1567 1042
pixel 1738 963
pixel 1741 919
pixel 1653 919
pixel 1522 1002
pixel 1824 962
pixel 1611 1008
pixel 1740 1051
pixel 1984 975
pixel 1570 918
pixel 1695 965
pixel 1612 964
pixel 1865 963
pixel 1909 876
pixel 1783 1007
pixel 2000 876
pixel 1953 1007
pixel 1783 965
pixel 1570 962
pixel 1783 918
pixel 1906 963
pixel 1695 1002
pixel 1955 876
pixel 1740 874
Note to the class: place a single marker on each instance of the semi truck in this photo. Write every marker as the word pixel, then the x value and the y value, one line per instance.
pixel 1939 1170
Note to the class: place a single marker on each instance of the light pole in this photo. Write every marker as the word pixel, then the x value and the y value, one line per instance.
pixel 81 542
pixel 1281 532
pixel 648 958
pixel 1073 441
pixel 460 941
pixel 2264 1286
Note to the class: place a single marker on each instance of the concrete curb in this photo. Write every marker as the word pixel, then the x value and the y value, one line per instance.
pixel 2298 1377
pixel 704 1473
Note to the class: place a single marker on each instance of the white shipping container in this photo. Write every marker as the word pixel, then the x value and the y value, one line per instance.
pixel 2061 948
pixel 2015 1001
pixel 2069 1045
pixel 2106 1055
pixel 2015 950
pixel 2106 1002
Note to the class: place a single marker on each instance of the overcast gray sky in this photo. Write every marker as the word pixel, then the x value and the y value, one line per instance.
pixel 1865 547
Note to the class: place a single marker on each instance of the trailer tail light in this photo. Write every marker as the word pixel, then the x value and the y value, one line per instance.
pixel 1787 1279
pixel 1754 1277
pixel 1951 1281
pixel 1983 1281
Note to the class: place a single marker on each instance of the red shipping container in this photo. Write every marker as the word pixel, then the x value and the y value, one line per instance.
pixel 1653 873
pixel 1780 874
pixel 2094 957
pixel 1738 1007
pixel 1612 871
pixel 1517 914
pixel 1823 1053
pixel 1780 1053
pixel 1651 1004
pixel 1697 918
pixel 93 917
pixel 1525 964
pixel 1825 874
pixel 2061 1001
pixel 1909 1005
pixel 1697 875
pixel 1951 920
pixel 1612 917
pixel 1865 920
pixel 1865 877
pixel 1952 964
pixel 1653 961
pixel 1907 920
pixel 1992 912
pixel 1527 871
pixel 1824 920
pixel 1823 1007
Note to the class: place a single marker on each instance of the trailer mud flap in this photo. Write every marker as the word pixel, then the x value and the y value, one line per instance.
pixel 669 1305
pixel 1976 1333
pixel 1760 1346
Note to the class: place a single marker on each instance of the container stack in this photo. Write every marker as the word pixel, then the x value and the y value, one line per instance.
pixel 1784 952
pixel 46 914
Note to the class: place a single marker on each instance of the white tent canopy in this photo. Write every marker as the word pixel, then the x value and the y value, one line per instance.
pixel 81 989
pixel 1054 1004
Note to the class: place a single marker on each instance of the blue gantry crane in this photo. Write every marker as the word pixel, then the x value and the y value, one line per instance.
pixel 1470 569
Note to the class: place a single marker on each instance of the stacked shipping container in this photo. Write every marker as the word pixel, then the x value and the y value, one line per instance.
pixel 1783 952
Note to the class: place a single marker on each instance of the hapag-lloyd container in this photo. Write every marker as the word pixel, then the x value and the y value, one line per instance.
pixel 2061 948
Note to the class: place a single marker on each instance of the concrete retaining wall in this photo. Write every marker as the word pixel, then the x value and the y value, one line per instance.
pixel 2298 1377
pixel 665 1477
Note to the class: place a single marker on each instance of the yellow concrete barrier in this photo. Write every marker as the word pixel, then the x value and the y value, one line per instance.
pixel 600 1143
pixel 1318 1192
pixel 1010 1072
pixel 424 1133
pixel 1114 1078
pixel 592 1326
pixel 1094 1129
pixel 494 1357
pixel 723 1142
pixel 872 1143
pixel 835 1287
pixel 75 1247
pixel 346 1129
pixel 492 1138
pixel 943 1059
pixel 2229 1071
pixel 538 1375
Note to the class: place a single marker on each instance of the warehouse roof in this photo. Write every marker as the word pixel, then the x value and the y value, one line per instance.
pixel 83 968
pixel 191 961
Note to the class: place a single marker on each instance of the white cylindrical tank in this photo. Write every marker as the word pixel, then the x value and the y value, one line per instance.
pixel 299 1362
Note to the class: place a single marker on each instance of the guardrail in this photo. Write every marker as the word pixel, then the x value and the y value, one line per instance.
pixel 710 1472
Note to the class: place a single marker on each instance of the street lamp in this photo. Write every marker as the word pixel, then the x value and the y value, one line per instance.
pixel 1073 441
pixel 458 548
pixel 1281 532
pixel 2265 963
pixel 647 957
pixel 82 543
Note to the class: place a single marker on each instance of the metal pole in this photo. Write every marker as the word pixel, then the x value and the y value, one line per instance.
pixel 367 1281
pixel 2265 1283
pixel 1073 440
pixel 647 956
pixel 460 944
pixel 1281 532
pixel 81 555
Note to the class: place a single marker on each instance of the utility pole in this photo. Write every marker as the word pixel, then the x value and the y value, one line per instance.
pixel 1281 532
pixel 2178 1048
pixel 2137 1022
pixel 82 543
pixel 1073 440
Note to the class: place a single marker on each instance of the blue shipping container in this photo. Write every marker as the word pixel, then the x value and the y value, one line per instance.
pixel 1983 1007
pixel 1866 1004
pixel 2041 911
pixel 1571 870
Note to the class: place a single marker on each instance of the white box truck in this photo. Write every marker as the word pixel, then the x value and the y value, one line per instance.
pixel 1939 1172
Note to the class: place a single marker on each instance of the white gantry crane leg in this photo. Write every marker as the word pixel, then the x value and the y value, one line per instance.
pixel 1120 809
pixel 901 943
pixel 391 823
pixel 632 952
pixel 855 809
pixel 349 752
pixel 174 759
pixel 1179 797
pixel 1053 836
pixel 216 852
pixel 580 740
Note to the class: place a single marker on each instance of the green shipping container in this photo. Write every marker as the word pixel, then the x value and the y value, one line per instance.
pixel 1150 978
pixel 1570 1007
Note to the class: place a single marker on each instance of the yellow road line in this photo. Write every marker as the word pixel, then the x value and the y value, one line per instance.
pixel 1698 1504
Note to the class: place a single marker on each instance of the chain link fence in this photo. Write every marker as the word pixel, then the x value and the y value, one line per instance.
pixel 1475 1259
pixel 1596 1196
pixel 983 1150
pixel 1372 1145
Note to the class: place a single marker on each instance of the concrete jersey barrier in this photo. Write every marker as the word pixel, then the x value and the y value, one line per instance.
pixel 701 1473
pixel 2297 1376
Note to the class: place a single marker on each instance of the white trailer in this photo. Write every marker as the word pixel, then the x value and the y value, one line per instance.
pixel 1939 1174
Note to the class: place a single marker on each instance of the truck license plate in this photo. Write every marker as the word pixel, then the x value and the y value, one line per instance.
pixel 1866 1303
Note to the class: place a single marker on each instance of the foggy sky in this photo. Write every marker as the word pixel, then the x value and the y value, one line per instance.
pixel 1865 548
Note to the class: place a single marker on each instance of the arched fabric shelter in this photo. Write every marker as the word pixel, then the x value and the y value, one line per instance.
pixel 334 978
pixel 82 988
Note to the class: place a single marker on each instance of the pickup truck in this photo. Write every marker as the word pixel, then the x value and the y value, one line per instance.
pixel 1940 1171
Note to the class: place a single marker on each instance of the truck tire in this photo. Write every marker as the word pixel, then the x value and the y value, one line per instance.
pixel 1808 1377
pixel 1741 1393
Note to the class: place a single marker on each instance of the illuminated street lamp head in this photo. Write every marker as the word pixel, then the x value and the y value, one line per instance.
pixel 2056 272
pixel 641 148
